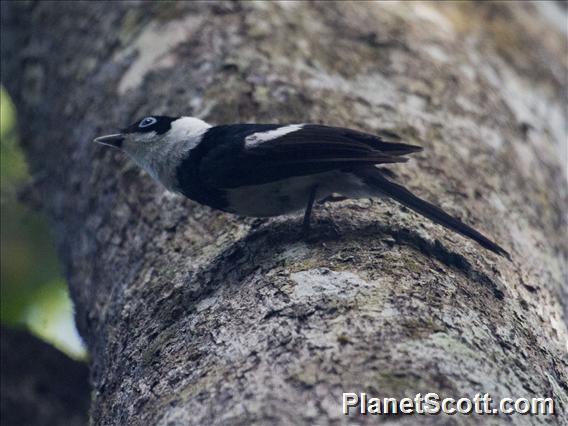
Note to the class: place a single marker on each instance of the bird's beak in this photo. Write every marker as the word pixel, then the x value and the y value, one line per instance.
pixel 111 140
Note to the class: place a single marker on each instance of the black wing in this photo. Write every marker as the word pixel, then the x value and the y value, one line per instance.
pixel 309 149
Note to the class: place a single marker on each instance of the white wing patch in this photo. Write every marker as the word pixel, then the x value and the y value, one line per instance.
pixel 256 139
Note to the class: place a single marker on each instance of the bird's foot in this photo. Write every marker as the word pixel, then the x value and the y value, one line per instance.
pixel 332 199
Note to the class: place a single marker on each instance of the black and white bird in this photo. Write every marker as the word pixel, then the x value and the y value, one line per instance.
pixel 265 170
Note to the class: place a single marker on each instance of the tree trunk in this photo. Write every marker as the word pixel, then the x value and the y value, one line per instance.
pixel 193 316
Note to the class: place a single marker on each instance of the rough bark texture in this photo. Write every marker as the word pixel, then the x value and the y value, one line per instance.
pixel 193 316
pixel 40 386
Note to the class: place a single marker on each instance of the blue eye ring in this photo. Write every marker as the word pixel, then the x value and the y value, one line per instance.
pixel 148 121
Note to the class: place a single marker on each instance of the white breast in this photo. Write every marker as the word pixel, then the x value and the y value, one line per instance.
pixel 292 194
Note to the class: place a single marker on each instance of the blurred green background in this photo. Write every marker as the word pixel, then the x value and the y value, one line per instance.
pixel 33 293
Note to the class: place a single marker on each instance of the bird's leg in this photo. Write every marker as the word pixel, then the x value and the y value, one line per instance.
pixel 308 212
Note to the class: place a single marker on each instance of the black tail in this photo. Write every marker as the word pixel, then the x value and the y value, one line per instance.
pixel 374 178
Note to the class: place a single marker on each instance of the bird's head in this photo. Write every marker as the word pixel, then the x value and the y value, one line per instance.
pixel 156 142
pixel 142 133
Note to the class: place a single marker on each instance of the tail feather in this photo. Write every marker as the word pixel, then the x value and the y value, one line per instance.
pixel 374 178
pixel 394 148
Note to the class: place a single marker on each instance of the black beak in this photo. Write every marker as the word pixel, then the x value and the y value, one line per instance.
pixel 111 140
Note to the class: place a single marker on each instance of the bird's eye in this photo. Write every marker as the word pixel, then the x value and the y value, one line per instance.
pixel 148 121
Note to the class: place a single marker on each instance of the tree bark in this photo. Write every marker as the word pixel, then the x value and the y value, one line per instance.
pixel 193 316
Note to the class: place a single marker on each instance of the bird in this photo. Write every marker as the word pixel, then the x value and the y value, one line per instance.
pixel 265 170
